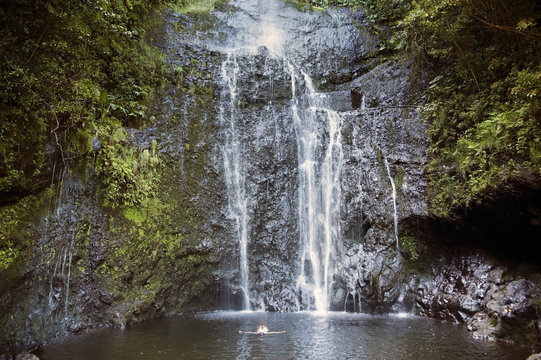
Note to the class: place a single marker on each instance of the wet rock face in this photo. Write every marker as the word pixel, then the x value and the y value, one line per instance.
pixel 268 161
pixel 387 85
pixel 53 297
pixel 262 80
pixel 369 263
pixel 494 301
pixel 332 46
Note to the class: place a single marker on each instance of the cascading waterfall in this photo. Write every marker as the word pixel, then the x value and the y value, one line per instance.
pixel 234 173
pixel 319 145
pixel 330 188
pixel 319 159
pixel 319 191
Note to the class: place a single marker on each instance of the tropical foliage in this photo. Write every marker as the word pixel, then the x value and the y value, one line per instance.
pixel 68 69
pixel 483 101
pixel 75 75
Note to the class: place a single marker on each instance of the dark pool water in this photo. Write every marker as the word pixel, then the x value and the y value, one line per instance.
pixel 308 336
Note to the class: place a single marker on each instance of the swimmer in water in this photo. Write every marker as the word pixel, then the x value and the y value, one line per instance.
pixel 262 330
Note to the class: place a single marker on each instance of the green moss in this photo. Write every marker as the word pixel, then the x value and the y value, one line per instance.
pixel 129 175
pixel 134 214
pixel 194 259
pixel 15 239
pixel 409 245
pixel 149 253
pixel 195 6
pixel 8 256
pixel 153 244
pixel 81 142
pixel 493 320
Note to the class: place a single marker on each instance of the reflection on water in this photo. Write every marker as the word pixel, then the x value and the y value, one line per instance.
pixel 335 336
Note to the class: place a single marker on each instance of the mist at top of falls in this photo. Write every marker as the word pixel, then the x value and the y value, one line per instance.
pixel 266 26
pixel 265 29
pixel 271 37
pixel 255 24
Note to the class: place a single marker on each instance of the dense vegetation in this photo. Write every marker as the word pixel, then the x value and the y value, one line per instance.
pixel 75 76
pixel 72 73
pixel 483 100
pixel 70 70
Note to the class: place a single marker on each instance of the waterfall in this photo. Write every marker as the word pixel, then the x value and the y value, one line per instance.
pixel 63 261
pixel 234 172
pixel 267 33
pixel 319 157
pixel 393 196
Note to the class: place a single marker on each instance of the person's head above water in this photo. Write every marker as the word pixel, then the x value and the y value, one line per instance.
pixel 262 329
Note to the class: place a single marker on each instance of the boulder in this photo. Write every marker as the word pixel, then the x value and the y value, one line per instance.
pixel 26 356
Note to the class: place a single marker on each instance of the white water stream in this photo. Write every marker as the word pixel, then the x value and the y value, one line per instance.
pixel 320 156
pixel 393 197
pixel 269 35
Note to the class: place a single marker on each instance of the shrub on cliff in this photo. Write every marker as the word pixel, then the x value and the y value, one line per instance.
pixel 484 100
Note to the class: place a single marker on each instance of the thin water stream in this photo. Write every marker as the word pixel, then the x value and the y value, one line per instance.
pixel 233 169
pixel 393 197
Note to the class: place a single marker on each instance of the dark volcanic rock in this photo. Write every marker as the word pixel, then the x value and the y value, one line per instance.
pixel 495 301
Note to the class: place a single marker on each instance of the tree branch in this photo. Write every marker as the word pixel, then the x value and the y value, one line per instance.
pixel 507 28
